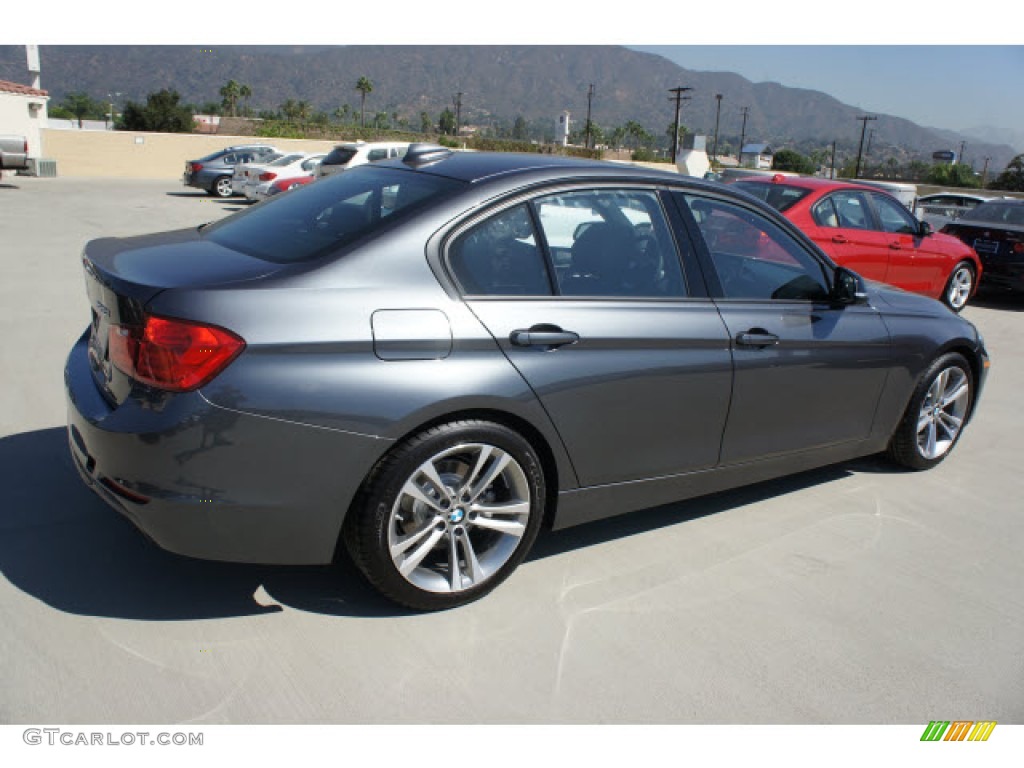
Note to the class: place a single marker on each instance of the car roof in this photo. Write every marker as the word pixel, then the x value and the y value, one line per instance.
pixel 479 166
pixel 806 182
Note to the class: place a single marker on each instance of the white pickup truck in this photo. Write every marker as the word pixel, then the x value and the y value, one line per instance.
pixel 13 153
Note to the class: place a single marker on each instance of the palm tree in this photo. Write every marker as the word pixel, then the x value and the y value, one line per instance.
pixel 245 92
pixel 364 86
pixel 230 92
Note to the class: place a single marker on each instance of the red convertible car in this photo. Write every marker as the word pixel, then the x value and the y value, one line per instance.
pixel 870 232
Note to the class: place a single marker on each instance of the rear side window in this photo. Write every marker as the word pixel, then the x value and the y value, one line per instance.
pixel 377 154
pixel 846 209
pixel 320 218
pixel 600 243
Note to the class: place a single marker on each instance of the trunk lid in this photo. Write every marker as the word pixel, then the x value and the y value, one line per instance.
pixel 122 275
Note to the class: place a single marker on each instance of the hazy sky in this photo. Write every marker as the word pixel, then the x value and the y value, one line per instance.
pixel 955 87
pixel 946 64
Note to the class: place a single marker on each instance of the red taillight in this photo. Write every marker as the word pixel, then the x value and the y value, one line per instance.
pixel 197 167
pixel 1018 247
pixel 268 176
pixel 176 355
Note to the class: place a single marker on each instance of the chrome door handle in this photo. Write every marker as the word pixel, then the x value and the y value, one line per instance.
pixel 756 338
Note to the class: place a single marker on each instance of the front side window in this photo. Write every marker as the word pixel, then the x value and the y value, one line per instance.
pixel 753 257
pixel 894 217
pixel 323 217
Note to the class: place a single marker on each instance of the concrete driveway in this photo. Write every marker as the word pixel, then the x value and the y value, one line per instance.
pixel 853 594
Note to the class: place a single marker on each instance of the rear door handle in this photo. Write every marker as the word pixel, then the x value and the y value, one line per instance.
pixel 544 335
pixel 896 246
pixel 839 239
pixel 757 337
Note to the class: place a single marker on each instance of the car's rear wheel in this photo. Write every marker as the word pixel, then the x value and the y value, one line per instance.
pixel 222 187
pixel 959 286
pixel 936 414
pixel 448 515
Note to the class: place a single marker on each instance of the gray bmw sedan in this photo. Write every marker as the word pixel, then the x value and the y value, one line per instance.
pixel 427 360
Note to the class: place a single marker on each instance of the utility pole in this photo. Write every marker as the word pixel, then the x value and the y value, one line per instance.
pixel 675 132
pixel 867 150
pixel 960 157
pixel 590 99
pixel 718 114
pixel 833 176
pixel 984 173
pixel 743 135
pixel 457 101
pixel 860 150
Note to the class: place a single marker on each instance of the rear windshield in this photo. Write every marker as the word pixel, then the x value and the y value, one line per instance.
pixel 339 156
pixel 997 213
pixel 778 196
pixel 285 160
pixel 320 218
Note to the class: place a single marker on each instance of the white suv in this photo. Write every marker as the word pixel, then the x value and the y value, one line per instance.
pixel 357 153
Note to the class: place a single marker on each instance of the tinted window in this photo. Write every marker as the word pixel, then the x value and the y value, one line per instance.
pixel 997 213
pixel 778 196
pixel 753 257
pixel 285 160
pixel 339 156
pixel 610 243
pixel 321 218
pixel 377 154
pixel 500 257
pixel 893 216
pixel 846 209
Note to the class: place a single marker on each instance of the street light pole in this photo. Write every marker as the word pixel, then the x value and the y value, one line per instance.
pixel 718 114
pixel 457 99
pixel 860 150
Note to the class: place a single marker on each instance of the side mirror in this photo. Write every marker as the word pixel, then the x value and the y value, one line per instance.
pixel 924 229
pixel 848 288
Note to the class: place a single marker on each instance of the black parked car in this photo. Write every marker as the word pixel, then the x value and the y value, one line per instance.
pixel 429 359
pixel 213 172
pixel 995 230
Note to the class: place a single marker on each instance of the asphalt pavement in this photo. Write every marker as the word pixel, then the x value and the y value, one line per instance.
pixel 853 594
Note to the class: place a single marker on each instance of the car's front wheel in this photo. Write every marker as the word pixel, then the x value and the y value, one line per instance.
pixel 448 515
pixel 935 417
pixel 959 286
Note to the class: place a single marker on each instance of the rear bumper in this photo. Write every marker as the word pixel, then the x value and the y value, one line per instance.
pixel 213 483
pixel 1002 272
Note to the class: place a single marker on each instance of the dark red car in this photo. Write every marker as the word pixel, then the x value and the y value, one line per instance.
pixel 872 233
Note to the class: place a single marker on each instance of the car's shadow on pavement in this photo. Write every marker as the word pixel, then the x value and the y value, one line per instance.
pixel 1014 302
pixel 62 545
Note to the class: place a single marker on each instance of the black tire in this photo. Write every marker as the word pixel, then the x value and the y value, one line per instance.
pixel 403 528
pixel 960 286
pixel 936 414
pixel 221 187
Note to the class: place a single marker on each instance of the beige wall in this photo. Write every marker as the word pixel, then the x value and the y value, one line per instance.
pixel 124 154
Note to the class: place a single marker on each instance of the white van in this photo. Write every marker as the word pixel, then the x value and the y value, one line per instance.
pixel 356 153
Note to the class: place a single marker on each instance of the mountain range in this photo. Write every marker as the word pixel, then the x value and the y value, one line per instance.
pixel 497 83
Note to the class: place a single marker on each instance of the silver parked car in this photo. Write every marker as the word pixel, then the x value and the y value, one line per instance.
pixel 428 360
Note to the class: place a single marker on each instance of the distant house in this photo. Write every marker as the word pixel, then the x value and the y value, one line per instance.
pixel 23 113
pixel 758 156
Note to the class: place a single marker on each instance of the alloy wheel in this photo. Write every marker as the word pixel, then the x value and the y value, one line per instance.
pixel 942 412
pixel 459 518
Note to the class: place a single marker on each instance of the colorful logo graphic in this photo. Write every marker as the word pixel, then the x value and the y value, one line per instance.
pixel 958 730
